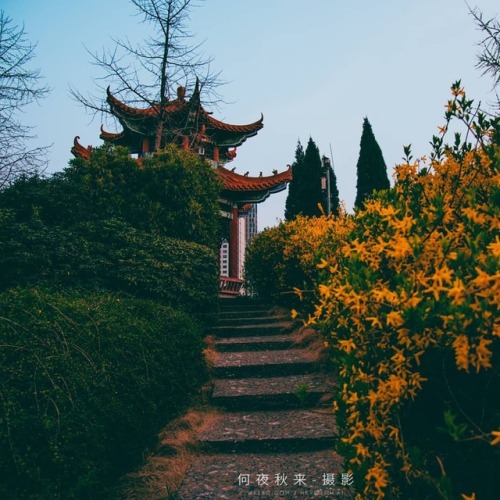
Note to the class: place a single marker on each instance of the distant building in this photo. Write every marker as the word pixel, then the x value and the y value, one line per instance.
pixel 224 258
pixel 251 223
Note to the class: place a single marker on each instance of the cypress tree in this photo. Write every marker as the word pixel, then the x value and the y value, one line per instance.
pixel 291 205
pixel 305 188
pixel 371 168
pixel 334 193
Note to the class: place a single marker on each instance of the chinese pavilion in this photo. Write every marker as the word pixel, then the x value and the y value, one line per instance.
pixel 187 124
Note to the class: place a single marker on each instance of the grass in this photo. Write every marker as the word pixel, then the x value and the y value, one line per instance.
pixel 163 471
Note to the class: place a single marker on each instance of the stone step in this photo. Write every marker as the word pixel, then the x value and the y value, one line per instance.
pixel 223 476
pixel 226 305
pixel 293 391
pixel 263 363
pixel 270 431
pixel 269 342
pixel 244 313
pixel 253 320
pixel 253 330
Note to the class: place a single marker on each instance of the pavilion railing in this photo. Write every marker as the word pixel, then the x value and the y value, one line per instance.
pixel 230 287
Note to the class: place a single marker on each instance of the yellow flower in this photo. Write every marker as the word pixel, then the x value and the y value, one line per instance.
pixel 362 450
pixel 483 354
pixel 399 357
pixel 380 476
pixel 322 264
pixel 294 313
pixel 469 497
pixel 495 247
pixel 353 398
pixel 347 345
pixel 394 319
pixel 457 292
pixel 442 275
pixel 375 321
pixel 401 248
pixel 388 212
pixel 496 440
pixel 461 345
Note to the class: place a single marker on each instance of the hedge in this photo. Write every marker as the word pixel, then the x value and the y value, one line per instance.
pixel 86 383
pixel 108 255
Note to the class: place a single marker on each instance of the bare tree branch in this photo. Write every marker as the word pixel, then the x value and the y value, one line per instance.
pixel 19 86
pixel 489 57
pixel 149 74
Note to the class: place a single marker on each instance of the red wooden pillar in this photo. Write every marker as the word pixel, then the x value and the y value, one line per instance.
pixel 234 245
pixel 216 154
pixel 185 143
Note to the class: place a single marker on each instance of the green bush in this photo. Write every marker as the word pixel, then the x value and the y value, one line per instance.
pixel 86 382
pixel 263 261
pixel 109 255
pixel 173 193
pixel 282 259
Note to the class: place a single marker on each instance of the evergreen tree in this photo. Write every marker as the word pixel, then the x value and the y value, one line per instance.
pixel 371 168
pixel 291 205
pixel 305 188
pixel 334 192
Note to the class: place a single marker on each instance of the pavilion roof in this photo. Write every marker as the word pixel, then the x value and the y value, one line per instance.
pixel 245 189
pixel 237 182
pixel 180 117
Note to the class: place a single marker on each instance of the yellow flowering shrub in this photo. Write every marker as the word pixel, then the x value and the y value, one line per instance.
pixel 410 307
pixel 283 258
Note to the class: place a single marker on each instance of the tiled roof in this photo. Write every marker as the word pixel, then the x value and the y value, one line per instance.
pixel 251 128
pixel 178 105
pixel 110 136
pixel 151 111
pixel 80 151
pixel 237 182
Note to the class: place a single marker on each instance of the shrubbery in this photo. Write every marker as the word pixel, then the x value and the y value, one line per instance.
pixel 408 303
pixel 108 255
pixel 173 193
pixel 282 258
pixel 87 381
pixel 109 223
pixel 93 359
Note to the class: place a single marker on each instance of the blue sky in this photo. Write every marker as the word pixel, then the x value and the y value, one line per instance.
pixel 314 69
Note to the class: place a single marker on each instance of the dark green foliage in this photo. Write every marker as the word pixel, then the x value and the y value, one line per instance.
pixel 87 382
pixel 92 367
pixel 305 192
pixel 294 187
pixel 264 263
pixel 371 168
pixel 443 421
pixel 174 193
pixel 108 255
pixel 334 191
pixel 270 271
pixel 103 224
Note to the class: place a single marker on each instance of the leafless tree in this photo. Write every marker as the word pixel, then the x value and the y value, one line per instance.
pixel 489 56
pixel 19 86
pixel 148 74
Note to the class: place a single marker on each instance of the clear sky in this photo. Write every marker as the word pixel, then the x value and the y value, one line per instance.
pixel 314 69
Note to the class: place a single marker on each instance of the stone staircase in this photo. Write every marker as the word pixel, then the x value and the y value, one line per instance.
pixel 269 435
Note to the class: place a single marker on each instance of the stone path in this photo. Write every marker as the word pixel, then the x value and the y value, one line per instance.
pixel 270 437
